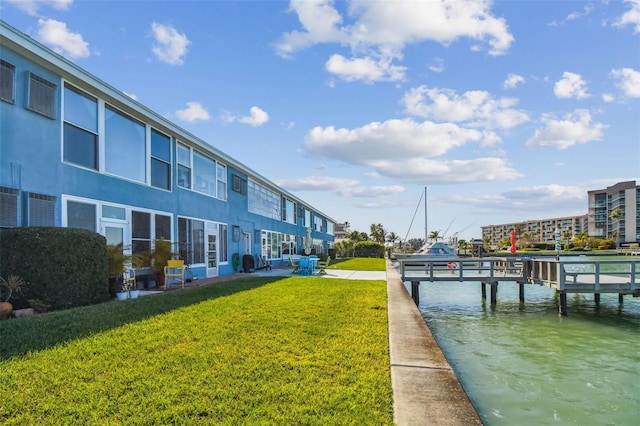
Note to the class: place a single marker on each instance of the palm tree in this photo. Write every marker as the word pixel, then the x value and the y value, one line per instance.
pixel 615 216
pixel 378 233
pixel 392 238
pixel 435 235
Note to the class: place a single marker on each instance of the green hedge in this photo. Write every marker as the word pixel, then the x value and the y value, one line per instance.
pixel 64 267
pixel 368 249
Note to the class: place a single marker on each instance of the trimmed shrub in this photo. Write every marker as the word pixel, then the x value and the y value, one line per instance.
pixel 64 267
pixel 368 249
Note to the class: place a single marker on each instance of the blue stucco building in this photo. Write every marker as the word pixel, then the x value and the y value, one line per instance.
pixel 77 152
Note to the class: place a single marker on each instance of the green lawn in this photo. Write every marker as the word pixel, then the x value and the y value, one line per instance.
pixel 260 350
pixel 359 264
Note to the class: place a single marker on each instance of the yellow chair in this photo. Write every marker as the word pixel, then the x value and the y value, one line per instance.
pixel 129 279
pixel 173 271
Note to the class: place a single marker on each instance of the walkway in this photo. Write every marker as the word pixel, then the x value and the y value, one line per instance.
pixel 425 387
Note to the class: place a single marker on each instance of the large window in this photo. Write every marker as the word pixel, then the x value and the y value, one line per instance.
pixel 317 223
pixel 42 96
pixel 289 246
pixel 160 160
pixel 7 81
pixel 80 128
pixel 204 173
pixel 146 227
pixel 263 201
pixel 191 240
pixel 125 147
pixel 271 245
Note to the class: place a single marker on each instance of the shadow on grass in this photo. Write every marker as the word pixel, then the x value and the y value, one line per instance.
pixel 22 335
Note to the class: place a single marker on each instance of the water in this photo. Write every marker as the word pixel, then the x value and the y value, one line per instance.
pixel 527 365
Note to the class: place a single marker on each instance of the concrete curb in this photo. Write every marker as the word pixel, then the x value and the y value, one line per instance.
pixel 426 390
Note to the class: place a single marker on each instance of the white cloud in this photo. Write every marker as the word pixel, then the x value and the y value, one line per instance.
pixel 32 7
pixel 512 81
pixel 608 97
pixel 379 31
pixel 341 186
pixel 575 128
pixel 55 34
pixel 407 150
pixel 628 80
pixel 257 117
pixel 630 17
pixel 170 46
pixel 575 15
pixel 437 65
pixel 367 69
pixel 419 170
pixel 391 139
pixel 132 96
pixel 193 112
pixel 475 108
pixel 571 86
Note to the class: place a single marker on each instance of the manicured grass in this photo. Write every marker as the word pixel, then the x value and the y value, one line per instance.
pixel 260 350
pixel 359 264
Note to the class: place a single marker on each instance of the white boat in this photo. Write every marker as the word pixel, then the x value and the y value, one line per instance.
pixel 430 251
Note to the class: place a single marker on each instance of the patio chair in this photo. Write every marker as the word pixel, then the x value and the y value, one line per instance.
pixel 320 266
pixel 129 279
pixel 174 271
pixel 294 265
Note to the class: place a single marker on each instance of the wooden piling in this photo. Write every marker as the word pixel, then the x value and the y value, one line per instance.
pixel 415 292
pixel 563 304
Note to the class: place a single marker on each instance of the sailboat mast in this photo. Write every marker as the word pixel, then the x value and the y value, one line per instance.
pixel 426 231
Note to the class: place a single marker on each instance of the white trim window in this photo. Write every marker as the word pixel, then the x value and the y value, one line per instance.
pixel 184 166
pixel 271 244
pixel 201 173
pixel 289 211
pixel 143 226
pixel 80 128
pixel 125 146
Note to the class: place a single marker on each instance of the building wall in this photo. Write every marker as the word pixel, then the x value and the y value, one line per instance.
pixel 39 186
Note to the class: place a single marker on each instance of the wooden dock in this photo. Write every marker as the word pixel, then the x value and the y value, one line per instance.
pixel 564 276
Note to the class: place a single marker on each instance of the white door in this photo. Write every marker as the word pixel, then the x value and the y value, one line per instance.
pixel 246 243
pixel 212 252
pixel 114 233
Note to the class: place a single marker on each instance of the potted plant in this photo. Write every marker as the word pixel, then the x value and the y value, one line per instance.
pixel 116 264
pixel 159 255
pixel 8 288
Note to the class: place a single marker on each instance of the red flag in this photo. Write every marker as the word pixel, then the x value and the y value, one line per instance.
pixel 512 249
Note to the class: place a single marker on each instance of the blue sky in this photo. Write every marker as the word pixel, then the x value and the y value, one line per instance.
pixel 507 110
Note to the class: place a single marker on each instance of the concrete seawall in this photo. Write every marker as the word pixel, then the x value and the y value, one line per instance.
pixel 426 390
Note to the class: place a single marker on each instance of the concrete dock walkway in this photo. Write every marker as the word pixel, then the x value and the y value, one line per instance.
pixel 426 390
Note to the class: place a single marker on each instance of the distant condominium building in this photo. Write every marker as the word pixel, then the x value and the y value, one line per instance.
pixel 613 213
pixel 538 230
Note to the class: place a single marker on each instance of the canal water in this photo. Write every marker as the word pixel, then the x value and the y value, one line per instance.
pixel 527 365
